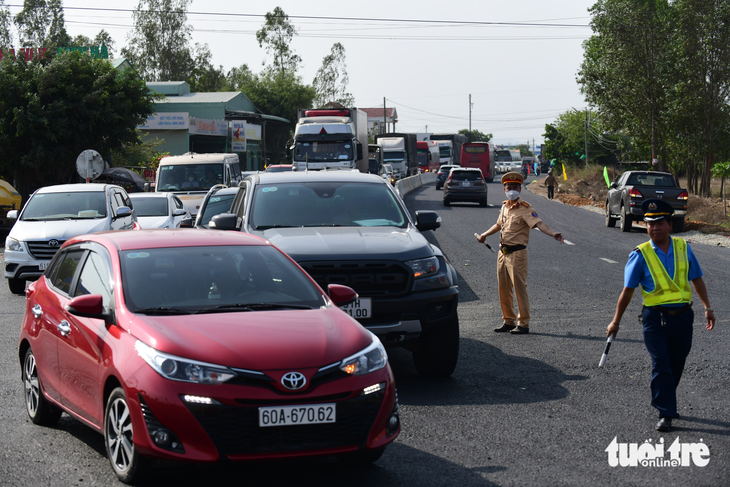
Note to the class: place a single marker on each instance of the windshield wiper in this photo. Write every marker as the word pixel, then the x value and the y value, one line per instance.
pixel 163 311
pixel 251 307
pixel 267 227
pixel 322 225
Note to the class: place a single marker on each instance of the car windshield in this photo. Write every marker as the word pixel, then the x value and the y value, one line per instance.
pixel 325 204
pixel 660 180
pixel 184 280
pixel 323 151
pixel 66 206
pixel 151 206
pixel 217 204
pixel 189 177
pixel 394 155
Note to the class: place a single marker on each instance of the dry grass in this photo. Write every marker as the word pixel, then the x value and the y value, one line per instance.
pixel 587 186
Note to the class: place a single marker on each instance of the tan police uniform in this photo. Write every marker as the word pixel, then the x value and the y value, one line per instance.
pixel 516 218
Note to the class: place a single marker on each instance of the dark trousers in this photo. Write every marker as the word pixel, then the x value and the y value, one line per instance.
pixel 668 340
pixel 551 193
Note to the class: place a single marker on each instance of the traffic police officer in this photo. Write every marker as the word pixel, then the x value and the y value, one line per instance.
pixel 516 219
pixel 664 267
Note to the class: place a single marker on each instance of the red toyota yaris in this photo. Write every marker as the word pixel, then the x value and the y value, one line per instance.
pixel 201 346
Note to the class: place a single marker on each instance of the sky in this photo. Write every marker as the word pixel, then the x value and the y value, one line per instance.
pixel 518 60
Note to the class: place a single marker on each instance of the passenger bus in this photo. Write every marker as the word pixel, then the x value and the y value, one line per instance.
pixel 481 155
pixel 428 156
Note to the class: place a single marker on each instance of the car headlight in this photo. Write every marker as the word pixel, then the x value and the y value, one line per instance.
pixel 182 369
pixel 14 245
pixel 424 267
pixel 369 359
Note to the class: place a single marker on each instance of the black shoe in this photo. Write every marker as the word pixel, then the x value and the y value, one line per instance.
pixel 505 327
pixel 520 330
pixel 664 424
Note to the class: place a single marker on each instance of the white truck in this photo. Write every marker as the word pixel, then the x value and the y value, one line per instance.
pixel 330 139
pixel 399 150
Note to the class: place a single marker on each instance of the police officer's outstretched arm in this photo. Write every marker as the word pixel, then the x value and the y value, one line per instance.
pixel 623 302
pixel 701 290
pixel 542 226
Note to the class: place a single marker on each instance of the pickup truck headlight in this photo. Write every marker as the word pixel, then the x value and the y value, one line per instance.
pixel 369 359
pixel 182 369
pixel 14 245
pixel 424 267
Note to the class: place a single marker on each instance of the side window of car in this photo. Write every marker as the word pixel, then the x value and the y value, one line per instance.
pixel 127 200
pixel 95 278
pixel 62 275
pixel 114 202
pixel 119 199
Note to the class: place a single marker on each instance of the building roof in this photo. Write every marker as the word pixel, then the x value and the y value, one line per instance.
pixel 391 114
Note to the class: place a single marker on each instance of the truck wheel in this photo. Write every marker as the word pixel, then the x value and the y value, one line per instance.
pixel 678 225
pixel 625 221
pixel 17 286
pixel 438 351
pixel 610 221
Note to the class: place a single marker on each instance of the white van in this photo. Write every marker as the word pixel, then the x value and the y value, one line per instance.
pixel 191 175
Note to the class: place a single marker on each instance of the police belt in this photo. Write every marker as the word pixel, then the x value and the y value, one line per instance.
pixel 508 249
pixel 671 311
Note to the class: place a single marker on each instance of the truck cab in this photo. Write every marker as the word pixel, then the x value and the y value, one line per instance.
pixel 330 139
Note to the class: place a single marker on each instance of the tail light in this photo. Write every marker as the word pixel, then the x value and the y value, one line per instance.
pixel 634 193
pixel 684 195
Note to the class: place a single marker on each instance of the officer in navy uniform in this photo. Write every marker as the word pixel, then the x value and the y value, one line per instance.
pixel 664 267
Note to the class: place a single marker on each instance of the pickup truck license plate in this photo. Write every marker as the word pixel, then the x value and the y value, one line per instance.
pixel 360 308
pixel 293 415
pixel 42 266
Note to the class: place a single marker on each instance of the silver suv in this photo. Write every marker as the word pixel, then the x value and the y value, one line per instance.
pixel 54 214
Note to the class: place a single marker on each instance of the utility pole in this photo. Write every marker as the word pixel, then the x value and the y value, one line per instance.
pixel 586 135
pixel 470 105
pixel 385 123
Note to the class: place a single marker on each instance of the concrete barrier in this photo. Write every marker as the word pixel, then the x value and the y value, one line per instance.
pixel 406 185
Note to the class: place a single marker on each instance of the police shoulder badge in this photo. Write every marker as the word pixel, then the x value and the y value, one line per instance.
pixel 534 214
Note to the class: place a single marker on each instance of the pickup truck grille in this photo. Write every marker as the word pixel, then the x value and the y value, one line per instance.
pixel 370 278
pixel 44 249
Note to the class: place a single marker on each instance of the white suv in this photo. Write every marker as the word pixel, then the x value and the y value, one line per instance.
pixel 54 214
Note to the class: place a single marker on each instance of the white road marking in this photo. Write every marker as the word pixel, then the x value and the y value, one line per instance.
pixel 568 242
pixel 608 260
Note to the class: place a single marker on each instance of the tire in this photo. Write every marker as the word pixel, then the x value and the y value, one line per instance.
pixel 447 202
pixel 483 203
pixel 438 352
pixel 126 462
pixel 17 286
pixel 626 221
pixel 40 411
pixel 610 221
pixel 678 225
pixel 363 457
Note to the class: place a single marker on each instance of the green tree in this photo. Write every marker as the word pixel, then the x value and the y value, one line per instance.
pixel 274 94
pixel 205 77
pixel 41 24
pixel 277 34
pixel 722 170
pixel 475 135
pixel 627 66
pixel 6 26
pixel 331 79
pixel 159 44
pixel 565 139
pixel 52 110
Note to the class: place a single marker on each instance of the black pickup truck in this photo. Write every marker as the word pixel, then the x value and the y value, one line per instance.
pixel 624 199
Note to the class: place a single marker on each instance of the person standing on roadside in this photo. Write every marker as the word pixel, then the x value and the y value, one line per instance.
pixel 516 219
pixel 550 183
pixel 664 267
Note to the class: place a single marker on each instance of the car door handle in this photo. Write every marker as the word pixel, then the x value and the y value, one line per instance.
pixel 37 311
pixel 64 328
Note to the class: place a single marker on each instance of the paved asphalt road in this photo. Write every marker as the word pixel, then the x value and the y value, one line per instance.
pixel 519 410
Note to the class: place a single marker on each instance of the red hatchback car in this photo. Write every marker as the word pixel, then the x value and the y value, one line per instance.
pixel 202 346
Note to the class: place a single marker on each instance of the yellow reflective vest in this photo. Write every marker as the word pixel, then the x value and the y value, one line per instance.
pixel 667 290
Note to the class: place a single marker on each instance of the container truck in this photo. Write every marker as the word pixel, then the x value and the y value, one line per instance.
pixel 450 147
pixel 330 139
pixel 400 151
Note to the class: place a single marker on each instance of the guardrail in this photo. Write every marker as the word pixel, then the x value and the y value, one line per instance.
pixel 406 185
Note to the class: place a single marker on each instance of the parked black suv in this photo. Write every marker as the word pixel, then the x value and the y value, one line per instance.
pixel 345 227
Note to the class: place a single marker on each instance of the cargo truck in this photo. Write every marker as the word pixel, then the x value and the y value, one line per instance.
pixel 330 139
pixel 450 147
pixel 400 151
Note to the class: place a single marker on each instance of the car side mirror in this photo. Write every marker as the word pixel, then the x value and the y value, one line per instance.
pixel 186 223
pixel 427 220
pixel 341 295
pixel 359 151
pixel 614 185
pixel 146 187
pixel 225 221
pixel 89 306
pixel 123 211
pixel 12 215
pixel 179 212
